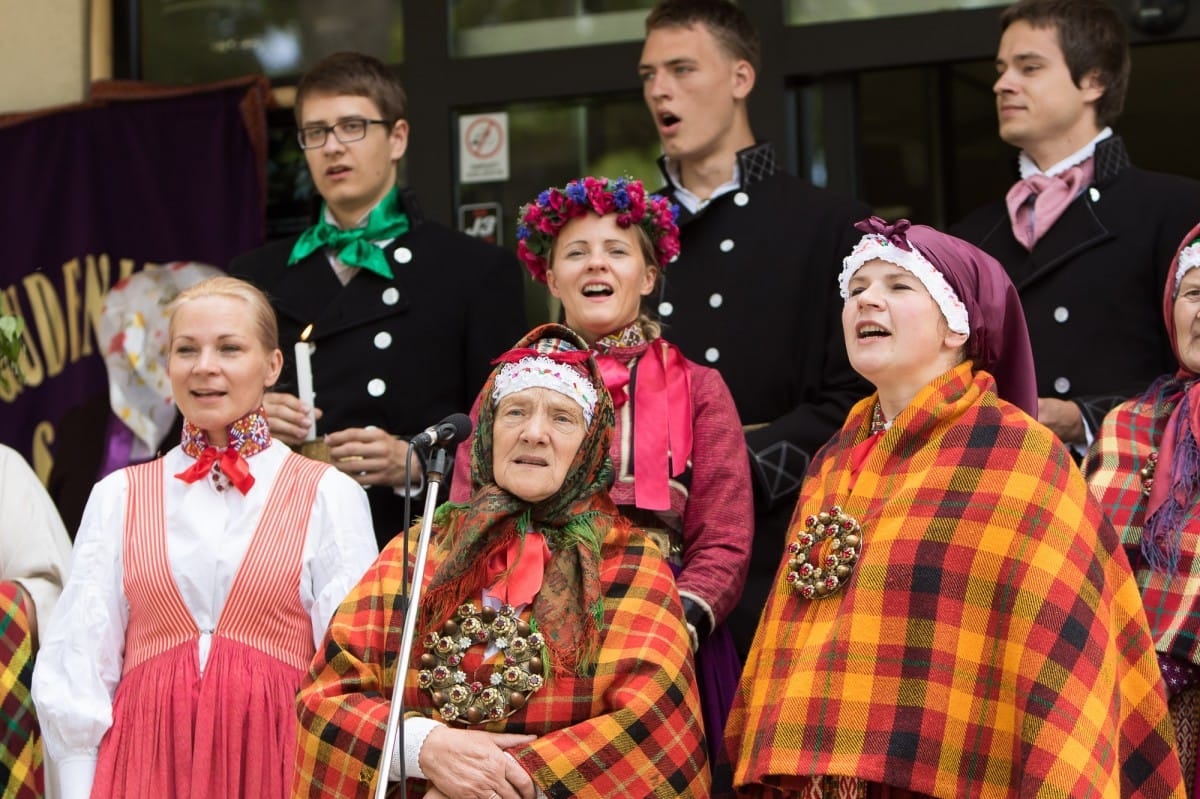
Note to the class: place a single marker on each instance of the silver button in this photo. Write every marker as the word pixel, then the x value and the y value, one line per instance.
pixel 716 300
pixel 1094 193
pixel 1062 385
pixel 712 355
pixel 741 199
pixel 383 340
pixel 665 309
pixel 376 388
pixel 726 245
pixel 391 295
pixel 402 255
pixel 1061 314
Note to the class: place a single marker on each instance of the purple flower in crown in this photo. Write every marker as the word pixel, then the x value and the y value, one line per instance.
pixel 576 192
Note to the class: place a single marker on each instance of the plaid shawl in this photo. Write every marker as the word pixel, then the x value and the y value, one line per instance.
pixel 630 727
pixel 1130 432
pixel 990 640
pixel 20 747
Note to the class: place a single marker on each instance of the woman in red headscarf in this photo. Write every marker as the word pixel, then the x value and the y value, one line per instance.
pixel 682 472
pixel 1145 469
pixel 953 616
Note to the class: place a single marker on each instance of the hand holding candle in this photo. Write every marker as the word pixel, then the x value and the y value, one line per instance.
pixel 304 379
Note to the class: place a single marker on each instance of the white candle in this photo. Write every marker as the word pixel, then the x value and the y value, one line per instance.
pixel 304 380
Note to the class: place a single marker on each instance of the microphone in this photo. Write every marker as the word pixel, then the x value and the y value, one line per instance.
pixel 451 430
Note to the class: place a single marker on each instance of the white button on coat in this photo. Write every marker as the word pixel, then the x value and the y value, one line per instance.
pixel 402 255
pixel 1094 193
pixel 391 295
pixel 727 245
pixel 383 340
pixel 715 300
pixel 665 309
pixel 712 355
pixel 377 388
pixel 741 199
pixel 1061 314
pixel 1062 385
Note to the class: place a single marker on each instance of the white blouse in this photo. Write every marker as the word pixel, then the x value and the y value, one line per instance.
pixel 208 533
pixel 35 549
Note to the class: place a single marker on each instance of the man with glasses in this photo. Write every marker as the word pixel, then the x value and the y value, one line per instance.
pixel 405 314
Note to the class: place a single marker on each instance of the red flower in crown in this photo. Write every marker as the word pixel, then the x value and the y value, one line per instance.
pixel 543 219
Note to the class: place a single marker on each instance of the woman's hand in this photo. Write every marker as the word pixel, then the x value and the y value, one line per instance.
pixel 471 764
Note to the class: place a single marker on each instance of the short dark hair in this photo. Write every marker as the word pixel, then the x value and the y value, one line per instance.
pixel 1091 36
pixel 728 24
pixel 359 75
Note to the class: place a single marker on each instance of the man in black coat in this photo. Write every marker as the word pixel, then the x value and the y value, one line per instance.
pixel 753 292
pixel 1086 237
pixel 405 314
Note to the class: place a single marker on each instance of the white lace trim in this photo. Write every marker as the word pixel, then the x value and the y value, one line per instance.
pixel 1029 168
pixel 1189 259
pixel 874 246
pixel 541 372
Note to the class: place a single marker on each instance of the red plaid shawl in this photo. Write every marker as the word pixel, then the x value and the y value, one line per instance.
pixel 1130 432
pixel 630 729
pixel 20 748
pixel 990 642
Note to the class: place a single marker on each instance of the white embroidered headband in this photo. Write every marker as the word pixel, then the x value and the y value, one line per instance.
pixel 542 372
pixel 874 246
pixel 1189 259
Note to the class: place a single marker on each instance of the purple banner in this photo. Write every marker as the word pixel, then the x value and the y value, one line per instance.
pixel 98 191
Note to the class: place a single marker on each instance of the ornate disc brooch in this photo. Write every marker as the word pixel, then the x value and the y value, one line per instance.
pixel 824 553
pixel 513 680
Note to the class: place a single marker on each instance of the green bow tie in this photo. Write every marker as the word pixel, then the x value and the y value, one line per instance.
pixel 355 247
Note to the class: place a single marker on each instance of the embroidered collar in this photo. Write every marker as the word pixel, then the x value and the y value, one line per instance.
pixel 248 436
pixel 628 342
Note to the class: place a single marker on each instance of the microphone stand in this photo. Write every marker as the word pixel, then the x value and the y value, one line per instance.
pixel 435 470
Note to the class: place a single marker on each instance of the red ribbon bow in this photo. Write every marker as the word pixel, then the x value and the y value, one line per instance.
pixel 233 465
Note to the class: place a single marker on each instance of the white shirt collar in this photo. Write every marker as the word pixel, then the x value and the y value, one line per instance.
pixel 1029 168
pixel 689 200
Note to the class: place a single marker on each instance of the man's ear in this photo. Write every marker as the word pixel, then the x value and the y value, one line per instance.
pixel 743 79
pixel 1092 86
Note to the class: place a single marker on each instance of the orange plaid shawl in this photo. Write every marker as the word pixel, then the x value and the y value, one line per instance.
pixel 990 641
pixel 629 728
pixel 20 744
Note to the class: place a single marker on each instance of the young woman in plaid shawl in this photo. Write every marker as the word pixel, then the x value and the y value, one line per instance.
pixel 551 657
pixel 954 617
pixel 1145 469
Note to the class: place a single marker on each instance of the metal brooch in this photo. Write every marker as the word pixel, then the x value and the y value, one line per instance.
pixel 837 539
pixel 514 679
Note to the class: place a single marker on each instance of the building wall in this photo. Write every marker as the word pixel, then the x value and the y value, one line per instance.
pixel 43 53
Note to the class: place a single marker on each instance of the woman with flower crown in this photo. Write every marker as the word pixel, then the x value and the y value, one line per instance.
pixel 550 656
pixel 953 615
pixel 680 457
pixel 1144 468
pixel 202 583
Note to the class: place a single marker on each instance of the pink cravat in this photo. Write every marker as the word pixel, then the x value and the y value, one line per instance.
pixel 1051 196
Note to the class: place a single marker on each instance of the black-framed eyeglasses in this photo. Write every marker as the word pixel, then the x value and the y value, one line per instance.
pixel 345 130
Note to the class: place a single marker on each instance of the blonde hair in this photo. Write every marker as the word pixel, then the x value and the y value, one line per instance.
pixel 234 288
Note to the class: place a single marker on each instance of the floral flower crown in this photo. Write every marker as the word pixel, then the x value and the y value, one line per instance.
pixel 541 221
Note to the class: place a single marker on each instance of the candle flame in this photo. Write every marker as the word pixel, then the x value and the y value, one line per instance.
pixel 307 332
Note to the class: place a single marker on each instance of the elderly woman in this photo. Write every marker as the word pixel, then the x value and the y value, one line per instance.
pixel 953 616
pixel 682 472
pixel 552 657
pixel 202 583
pixel 1144 468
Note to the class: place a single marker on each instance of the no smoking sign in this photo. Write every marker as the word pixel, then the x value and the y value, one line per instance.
pixel 483 147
